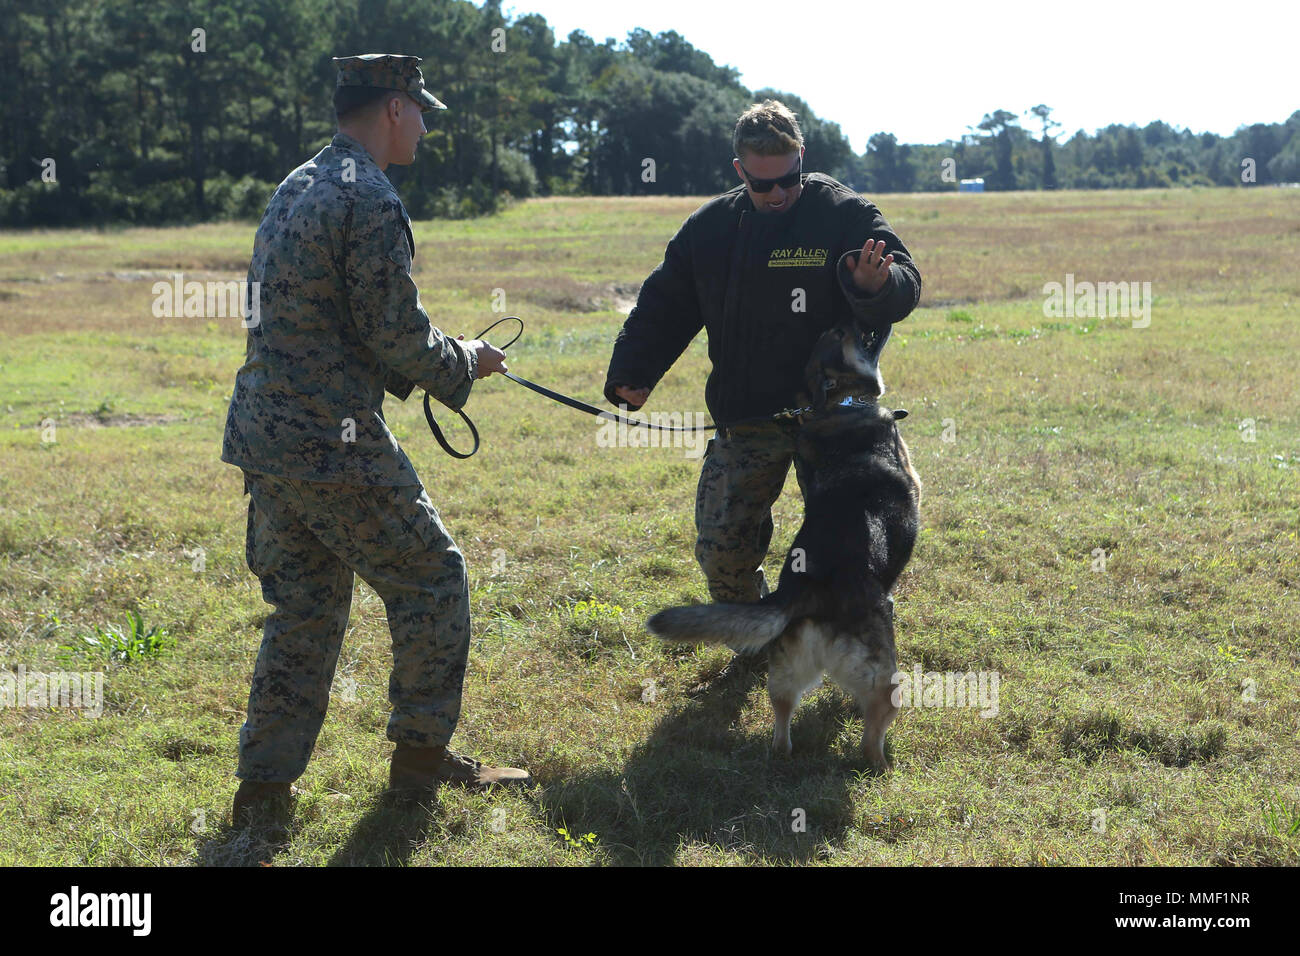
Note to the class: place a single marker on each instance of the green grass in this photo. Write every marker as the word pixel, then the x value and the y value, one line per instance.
pixel 1159 690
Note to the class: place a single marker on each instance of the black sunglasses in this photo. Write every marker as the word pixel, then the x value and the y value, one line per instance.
pixel 787 181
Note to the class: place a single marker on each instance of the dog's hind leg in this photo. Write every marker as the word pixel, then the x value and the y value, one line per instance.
pixel 793 670
pixel 783 705
pixel 878 712
pixel 868 676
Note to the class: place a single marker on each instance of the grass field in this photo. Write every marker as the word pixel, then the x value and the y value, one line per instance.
pixel 1148 698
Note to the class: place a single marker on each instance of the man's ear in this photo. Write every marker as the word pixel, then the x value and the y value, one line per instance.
pixel 403 103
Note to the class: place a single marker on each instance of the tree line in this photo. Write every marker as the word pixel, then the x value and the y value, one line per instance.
pixel 133 111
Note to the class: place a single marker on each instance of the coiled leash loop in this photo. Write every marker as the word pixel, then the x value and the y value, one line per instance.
pixel 428 410
pixel 437 432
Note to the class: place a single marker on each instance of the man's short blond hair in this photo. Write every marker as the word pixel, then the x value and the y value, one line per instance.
pixel 768 128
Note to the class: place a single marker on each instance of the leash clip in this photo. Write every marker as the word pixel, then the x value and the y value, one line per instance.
pixel 786 414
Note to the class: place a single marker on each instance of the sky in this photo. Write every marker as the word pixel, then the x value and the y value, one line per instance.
pixel 925 71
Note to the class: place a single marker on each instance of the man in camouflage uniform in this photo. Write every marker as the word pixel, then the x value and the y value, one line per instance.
pixel 338 321
pixel 766 268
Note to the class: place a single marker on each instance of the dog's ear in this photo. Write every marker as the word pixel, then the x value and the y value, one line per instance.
pixel 814 380
pixel 900 414
pixel 819 397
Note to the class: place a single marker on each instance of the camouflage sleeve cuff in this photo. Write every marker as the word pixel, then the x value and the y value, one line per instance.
pixel 457 399
pixel 399 386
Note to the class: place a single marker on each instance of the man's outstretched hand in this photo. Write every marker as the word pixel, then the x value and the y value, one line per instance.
pixel 633 396
pixel 490 358
pixel 871 272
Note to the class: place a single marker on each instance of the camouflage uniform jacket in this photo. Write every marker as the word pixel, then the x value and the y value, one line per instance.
pixel 338 321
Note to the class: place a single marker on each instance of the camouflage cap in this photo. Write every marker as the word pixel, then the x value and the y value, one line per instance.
pixel 386 71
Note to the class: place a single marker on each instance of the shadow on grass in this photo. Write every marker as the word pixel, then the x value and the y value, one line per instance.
pixel 386 836
pixel 696 780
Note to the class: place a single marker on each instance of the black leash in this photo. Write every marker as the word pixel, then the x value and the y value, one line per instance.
pixel 581 406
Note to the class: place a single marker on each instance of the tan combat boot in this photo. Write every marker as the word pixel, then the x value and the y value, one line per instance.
pixel 424 769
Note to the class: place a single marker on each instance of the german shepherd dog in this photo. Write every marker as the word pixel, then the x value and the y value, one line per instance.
pixel 832 612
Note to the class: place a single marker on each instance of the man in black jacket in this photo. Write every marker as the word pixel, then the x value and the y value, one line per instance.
pixel 766 268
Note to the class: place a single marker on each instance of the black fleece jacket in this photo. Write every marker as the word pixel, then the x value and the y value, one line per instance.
pixel 743 275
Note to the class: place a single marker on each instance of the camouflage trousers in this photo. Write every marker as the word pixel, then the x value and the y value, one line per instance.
pixel 744 471
pixel 305 541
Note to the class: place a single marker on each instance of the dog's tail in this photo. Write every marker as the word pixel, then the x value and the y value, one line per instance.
pixel 744 627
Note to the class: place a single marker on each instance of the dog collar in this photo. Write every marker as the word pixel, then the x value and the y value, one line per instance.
pixel 853 401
